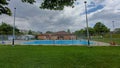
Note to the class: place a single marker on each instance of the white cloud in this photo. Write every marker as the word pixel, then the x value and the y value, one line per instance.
pixel 32 17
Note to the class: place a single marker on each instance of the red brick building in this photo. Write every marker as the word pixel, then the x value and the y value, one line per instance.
pixel 61 35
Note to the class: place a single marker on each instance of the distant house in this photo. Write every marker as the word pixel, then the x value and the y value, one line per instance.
pixel 61 35
pixel 44 36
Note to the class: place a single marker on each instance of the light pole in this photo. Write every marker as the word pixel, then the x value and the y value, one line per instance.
pixel 88 37
pixel 112 32
pixel 113 22
pixel 14 27
pixel 2 35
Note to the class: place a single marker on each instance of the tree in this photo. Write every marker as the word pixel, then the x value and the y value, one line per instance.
pixel 3 8
pixel 49 32
pixel 83 32
pixel 80 33
pixel 7 29
pixel 30 32
pixel 68 31
pixel 46 4
pixel 56 4
pixel 91 31
pixel 100 28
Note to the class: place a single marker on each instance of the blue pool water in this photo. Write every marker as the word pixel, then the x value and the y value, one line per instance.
pixel 57 42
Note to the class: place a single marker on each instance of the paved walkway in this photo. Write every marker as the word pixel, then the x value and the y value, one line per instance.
pixel 100 44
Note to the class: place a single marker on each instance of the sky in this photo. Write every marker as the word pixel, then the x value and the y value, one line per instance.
pixel 31 17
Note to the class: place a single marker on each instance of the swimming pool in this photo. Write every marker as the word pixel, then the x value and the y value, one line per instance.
pixel 58 42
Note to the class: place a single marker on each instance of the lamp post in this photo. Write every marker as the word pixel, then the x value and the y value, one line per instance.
pixel 14 27
pixel 88 37
pixel 112 31
pixel 2 35
pixel 113 22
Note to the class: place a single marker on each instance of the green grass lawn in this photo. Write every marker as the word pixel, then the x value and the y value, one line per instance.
pixel 59 57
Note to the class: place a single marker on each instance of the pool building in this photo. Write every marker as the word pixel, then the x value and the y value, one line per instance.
pixel 61 35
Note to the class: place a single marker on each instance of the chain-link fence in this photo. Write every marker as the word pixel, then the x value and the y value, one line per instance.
pixel 7 39
pixel 96 40
pixel 107 39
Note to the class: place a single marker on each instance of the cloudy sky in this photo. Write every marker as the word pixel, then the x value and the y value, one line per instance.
pixel 31 17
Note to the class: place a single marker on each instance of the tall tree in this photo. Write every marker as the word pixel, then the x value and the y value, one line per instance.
pixel 100 28
pixel 7 29
pixel 68 31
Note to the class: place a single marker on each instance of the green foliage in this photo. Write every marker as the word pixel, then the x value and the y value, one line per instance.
pixel 56 4
pixel 100 28
pixel 91 31
pixel 30 32
pixel 29 1
pixel 7 29
pixel 3 8
pixel 68 31
pixel 79 33
pixel 3 2
pixel 46 4
pixel 49 32
pixel 84 32
pixel 59 57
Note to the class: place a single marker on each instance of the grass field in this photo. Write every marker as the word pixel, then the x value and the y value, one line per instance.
pixel 59 57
